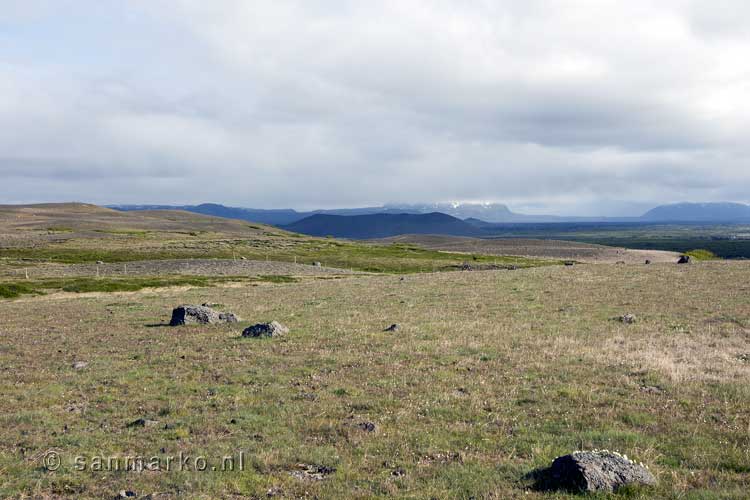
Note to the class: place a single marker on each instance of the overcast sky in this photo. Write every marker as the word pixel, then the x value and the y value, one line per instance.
pixel 551 106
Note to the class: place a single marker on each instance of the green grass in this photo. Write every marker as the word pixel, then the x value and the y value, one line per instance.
pixel 400 259
pixel 85 284
pixel 13 290
pixel 702 254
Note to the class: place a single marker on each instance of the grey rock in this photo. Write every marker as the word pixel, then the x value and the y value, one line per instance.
pixel 272 329
pixel 367 426
pixel 596 471
pixel 199 315
pixel 628 319
pixel 312 472
pixel 684 259
pixel 652 389
pixel 143 422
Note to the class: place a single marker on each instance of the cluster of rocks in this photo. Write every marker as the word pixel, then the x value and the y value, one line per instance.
pixel 206 315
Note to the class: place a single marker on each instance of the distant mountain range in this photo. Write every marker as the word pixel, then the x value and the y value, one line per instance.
pixel 454 219
pixel 488 212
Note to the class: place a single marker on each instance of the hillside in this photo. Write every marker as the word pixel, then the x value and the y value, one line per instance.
pixel 35 237
pixel 382 225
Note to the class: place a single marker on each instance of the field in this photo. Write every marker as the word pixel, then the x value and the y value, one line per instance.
pixel 492 374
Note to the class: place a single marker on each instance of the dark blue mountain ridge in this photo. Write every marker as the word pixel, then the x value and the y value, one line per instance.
pixel 382 225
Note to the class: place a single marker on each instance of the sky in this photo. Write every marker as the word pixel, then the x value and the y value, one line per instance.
pixel 575 107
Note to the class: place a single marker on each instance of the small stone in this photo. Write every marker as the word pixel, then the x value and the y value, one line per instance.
pixel 367 426
pixel 628 319
pixel 652 389
pixel 143 422
pixel 274 492
pixel 393 328
pixel 312 472
pixel 272 329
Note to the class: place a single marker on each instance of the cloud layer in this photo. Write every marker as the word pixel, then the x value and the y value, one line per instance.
pixel 567 106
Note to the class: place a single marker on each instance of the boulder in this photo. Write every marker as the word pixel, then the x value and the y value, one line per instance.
pixel 684 259
pixel 595 471
pixel 272 329
pixel 199 315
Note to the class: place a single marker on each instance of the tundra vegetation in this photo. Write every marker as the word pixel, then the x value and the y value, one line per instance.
pixel 491 375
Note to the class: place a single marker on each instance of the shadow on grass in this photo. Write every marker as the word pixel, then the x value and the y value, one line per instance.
pixel 541 480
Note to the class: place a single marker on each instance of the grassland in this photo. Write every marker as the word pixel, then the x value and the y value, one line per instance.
pixel 492 375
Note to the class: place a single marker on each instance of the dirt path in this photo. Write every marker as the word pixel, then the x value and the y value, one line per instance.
pixel 549 249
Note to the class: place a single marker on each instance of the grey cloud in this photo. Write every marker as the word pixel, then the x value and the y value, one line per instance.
pixel 309 104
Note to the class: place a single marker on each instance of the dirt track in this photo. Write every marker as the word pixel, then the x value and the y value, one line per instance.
pixel 550 249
